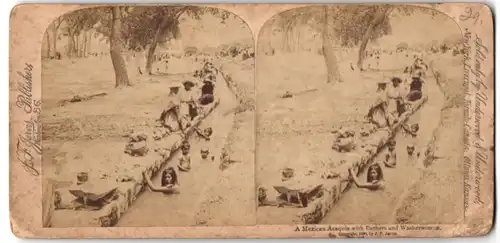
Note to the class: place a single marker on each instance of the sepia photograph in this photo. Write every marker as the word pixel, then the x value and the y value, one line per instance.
pixel 251 120
pixel 360 116
pixel 148 118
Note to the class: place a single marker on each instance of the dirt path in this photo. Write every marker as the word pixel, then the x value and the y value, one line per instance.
pixel 157 209
pixel 377 207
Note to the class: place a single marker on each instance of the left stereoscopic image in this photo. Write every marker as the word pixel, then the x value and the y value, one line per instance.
pixel 148 118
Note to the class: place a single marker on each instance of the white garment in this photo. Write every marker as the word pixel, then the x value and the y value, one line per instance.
pixel 393 93
pixel 186 97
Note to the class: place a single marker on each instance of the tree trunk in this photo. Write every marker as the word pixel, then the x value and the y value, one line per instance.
pixel 286 40
pixel 328 50
pixel 151 53
pixel 46 45
pixel 88 48
pixel 298 39
pixel 77 46
pixel 379 18
pixel 85 39
pixel 269 42
pixel 71 46
pixel 160 32
pixel 51 39
pixel 152 48
pixel 53 43
pixel 115 50
pixel 53 31
pixel 84 43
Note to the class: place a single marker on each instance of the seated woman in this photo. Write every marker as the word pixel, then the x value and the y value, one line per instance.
pixel 378 114
pixel 169 182
pixel 207 93
pixel 415 88
pixel 374 178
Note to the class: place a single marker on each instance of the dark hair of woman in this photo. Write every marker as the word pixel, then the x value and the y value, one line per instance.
pixel 379 175
pixel 169 171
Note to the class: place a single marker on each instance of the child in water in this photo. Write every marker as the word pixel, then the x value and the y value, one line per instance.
pixel 185 159
pixel 204 154
pixel 390 157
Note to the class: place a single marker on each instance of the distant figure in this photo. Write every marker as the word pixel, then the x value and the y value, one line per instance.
pixel 139 59
pixel 169 182
pixel 374 178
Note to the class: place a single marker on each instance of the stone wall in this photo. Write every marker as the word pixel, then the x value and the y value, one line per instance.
pixel 128 179
pixel 332 189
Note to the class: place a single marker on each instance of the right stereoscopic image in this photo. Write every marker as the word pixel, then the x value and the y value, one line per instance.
pixel 359 116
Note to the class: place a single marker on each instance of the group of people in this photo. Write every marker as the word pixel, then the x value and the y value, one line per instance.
pixel 181 108
pixel 184 105
pixel 391 102
pixel 385 112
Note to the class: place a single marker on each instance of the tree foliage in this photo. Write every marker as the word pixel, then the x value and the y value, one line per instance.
pixel 350 23
pixel 140 23
pixel 80 20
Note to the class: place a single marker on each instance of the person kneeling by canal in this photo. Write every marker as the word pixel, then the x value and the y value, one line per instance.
pixel 207 92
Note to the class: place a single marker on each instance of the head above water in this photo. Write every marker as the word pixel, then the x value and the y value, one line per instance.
pixel 204 152
pixel 410 149
pixel 415 127
pixel 185 146
pixel 207 131
pixel 374 173
pixel 169 177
